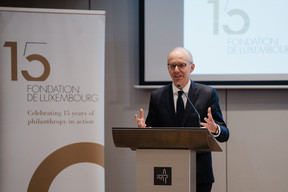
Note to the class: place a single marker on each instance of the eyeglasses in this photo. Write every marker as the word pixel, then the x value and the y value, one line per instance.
pixel 180 66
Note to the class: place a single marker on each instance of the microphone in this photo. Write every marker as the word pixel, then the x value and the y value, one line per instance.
pixel 199 121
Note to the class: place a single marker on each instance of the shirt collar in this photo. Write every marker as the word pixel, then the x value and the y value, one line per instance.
pixel 185 89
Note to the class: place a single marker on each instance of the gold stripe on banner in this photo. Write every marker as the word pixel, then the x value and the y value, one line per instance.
pixel 63 158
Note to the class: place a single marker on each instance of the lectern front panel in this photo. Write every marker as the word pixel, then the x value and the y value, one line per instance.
pixel 165 170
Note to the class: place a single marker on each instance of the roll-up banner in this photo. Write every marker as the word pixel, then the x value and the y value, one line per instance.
pixel 51 100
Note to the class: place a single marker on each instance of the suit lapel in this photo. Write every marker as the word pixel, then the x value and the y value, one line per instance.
pixel 170 102
pixel 192 94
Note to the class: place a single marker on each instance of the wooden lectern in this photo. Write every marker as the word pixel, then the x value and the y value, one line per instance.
pixel 166 157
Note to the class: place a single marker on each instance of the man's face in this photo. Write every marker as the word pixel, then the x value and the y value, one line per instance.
pixel 180 67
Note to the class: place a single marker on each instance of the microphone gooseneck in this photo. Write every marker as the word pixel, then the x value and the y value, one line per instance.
pixel 199 120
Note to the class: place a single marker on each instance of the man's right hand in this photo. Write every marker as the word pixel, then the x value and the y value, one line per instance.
pixel 140 121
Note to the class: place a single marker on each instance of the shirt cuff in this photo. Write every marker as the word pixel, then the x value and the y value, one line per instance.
pixel 218 132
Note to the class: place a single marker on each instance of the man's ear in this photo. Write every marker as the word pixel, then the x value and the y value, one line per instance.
pixel 192 68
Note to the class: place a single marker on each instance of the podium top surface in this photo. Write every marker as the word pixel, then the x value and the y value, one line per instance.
pixel 197 139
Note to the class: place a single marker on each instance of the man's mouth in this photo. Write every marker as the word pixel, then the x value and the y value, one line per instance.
pixel 177 76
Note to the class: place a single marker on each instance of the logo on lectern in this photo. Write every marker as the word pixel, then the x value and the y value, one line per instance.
pixel 162 176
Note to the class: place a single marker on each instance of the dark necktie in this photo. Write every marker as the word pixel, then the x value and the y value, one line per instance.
pixel 180 108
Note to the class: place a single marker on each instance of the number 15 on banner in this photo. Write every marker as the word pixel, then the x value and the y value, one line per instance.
pixel 30 58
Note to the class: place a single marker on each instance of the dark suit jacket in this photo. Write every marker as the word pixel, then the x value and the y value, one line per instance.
pixel 162 114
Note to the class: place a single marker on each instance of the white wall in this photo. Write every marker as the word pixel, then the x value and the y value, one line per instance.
pixel 257 150
pixel 254 159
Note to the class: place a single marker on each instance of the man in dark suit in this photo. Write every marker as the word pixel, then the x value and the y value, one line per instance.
pixel 163 111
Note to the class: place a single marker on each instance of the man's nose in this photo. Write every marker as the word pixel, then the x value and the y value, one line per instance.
pixel 176 68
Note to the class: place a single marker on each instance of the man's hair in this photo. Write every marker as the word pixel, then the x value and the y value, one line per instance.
pixel 183 49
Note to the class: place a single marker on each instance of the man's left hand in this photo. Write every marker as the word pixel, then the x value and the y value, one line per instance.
pixel 210 124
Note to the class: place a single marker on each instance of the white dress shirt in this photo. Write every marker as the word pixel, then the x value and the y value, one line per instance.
pixel 175 94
